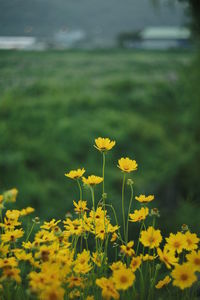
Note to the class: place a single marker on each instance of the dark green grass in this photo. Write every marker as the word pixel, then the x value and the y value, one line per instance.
pixel 53 104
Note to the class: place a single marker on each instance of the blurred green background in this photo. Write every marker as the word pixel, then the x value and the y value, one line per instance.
pixel 54 104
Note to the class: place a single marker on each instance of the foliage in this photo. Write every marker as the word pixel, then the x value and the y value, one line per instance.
pixel 54 103
pixel 70 259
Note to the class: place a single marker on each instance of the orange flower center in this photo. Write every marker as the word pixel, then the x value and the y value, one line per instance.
pixel 176 244
pixel 197 261
pixel 184 277
pixel 123 279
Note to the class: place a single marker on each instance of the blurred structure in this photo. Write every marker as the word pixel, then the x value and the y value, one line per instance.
pixel 21 43
pixel 68 38
pixel 161 38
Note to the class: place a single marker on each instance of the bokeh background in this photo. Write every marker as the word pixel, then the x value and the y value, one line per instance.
pixel 71 71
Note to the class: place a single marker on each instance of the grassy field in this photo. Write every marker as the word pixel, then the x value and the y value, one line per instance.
pixel 53 105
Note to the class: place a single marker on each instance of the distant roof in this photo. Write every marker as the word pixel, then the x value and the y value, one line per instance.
pixel 19 42
pixel 165 32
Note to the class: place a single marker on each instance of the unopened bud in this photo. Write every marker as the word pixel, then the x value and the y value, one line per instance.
pixel 184 227
pixel 130 182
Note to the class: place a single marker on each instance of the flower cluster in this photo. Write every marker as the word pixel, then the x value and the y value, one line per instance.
pixel 71 259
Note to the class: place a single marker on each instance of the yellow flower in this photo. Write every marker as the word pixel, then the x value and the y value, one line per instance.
pixel 80 207
pixel 167 257
pixel 50 225
pixel 127 165
pixel 191 241
pixel 194 260
pixel 128 249
pixel 163 282
pixel 13 215
pixel 104 144
pixel 10 195
pixel 74 227
pixel 151 238
pixel 9 262
pixel 26 211
pixel 52 292
pixel 75 174
pixel 176 242
pixel 183 276
pixel 148 257
pixel 139 215
pixel 123 278
pixel 114 237
pixel 92 180
pixel 117 265
pixel 135 263
pixel 75 281
pixel 11 274
pixel 82 264
pixel 11 236
pixel 108 289
pixel 97 258
pixel 74 294
pixel 90 298
pixel 144 199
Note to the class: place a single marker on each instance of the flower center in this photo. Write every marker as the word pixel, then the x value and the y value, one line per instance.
pixel 197 261
pixel 184 277
pixel 123 279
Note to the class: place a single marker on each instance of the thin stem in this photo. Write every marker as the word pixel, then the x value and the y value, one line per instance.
pixel 103 172
pixel 123 210
pixel 80 189
pixel 27 238
pixel 94 217
pixel 139 237
pixel 129 208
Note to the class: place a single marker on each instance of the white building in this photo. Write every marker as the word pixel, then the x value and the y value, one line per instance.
pixel 20 43
pixel 161 38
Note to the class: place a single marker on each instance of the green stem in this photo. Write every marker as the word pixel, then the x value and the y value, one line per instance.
pixel 115 216
pixel 123 210
pixel 80 189
pixel 139 237
pixel 129 208
pixel 93 208
pixel 103 171
pixel 27 238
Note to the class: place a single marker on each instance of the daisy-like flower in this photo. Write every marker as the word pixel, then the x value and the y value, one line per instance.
pixel 183 276
pixel 151 237
pixel 167 257
pixel 82 263
pixel 108 288
pixel 104 144
pixel 128 249
pixel 176 242
pixel 194 260
pixel 144 199
pixel 117 265
pixel 135 263
pixel 127 165
pixel 80 207
pixel 163 282
pixel 123 278
pixel 139 215
pixel 147 257
pixel 75 174
pixel 191 241
pixel 92 180
pixel 26 211
pixel 12 236
pixel 50 225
